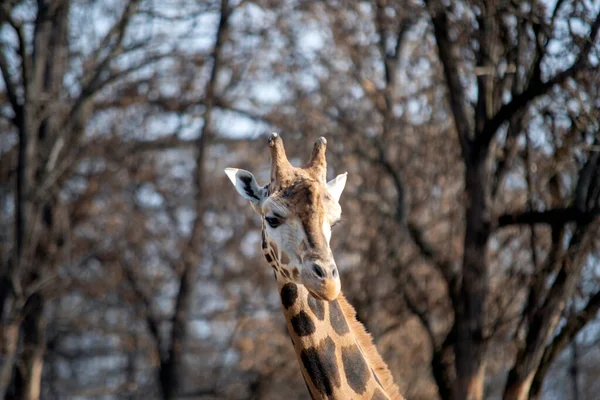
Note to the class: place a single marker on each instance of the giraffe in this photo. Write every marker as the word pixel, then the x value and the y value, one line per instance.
pixel 337 357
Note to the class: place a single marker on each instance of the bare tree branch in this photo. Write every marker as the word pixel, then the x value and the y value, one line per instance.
pixel 545 318
pixel 190 260
pixel 151 322
pixel 445 267
pixel 448 58
pixel 11 90
pixel 118 30
pixel 537 88
pixel 422 316
pixel 557 216
pixel 575 323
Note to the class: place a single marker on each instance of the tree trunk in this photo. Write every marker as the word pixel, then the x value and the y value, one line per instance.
pixel 518 388
pixel 9 338
pixel 29 373
pixel 171 367
pixel 470 311
pixel 441 368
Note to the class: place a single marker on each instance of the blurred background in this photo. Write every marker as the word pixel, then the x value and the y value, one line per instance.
pixel 469 245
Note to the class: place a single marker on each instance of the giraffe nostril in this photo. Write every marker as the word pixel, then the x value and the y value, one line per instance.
pixel 334 272
pixel 318 271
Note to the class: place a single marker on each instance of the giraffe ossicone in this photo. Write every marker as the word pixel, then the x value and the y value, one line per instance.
pixel 298 208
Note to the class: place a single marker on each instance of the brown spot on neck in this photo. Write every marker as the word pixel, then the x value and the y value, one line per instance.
pixel 269 259
pixel 355 368
pixel 289 294
pixel 273 247
pixel 303 324
pixel 337 318
pixel 321 366
pixel 316 306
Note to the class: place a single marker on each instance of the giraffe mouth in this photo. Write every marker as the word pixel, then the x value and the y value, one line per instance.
pixel 313 294
pixel 328 294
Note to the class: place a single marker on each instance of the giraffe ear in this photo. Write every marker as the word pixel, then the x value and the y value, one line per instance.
pixel 335 187
pixel 246 185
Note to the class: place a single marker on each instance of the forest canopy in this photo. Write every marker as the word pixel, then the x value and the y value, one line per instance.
pixel 470 237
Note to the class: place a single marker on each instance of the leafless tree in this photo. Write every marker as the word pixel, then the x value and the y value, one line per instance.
pixel 470 134
pixel 56 87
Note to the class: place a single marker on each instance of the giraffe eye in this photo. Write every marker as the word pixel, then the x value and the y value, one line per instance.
pixel 273 222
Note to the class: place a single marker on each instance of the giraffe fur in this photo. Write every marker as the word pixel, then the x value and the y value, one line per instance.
pixel 336 354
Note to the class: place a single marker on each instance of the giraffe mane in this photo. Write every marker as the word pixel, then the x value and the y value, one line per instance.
pixel 365 341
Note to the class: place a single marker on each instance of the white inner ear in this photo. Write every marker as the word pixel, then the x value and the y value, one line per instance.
pixel 336 186
pixel 245 184
pixel 327 231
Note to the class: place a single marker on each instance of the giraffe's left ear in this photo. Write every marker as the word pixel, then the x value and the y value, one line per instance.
pixel 246 185
pixel 336 186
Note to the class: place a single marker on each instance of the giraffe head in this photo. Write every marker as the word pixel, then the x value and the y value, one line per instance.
pixel 298 208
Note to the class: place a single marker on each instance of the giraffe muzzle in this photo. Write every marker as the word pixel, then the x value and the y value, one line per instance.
pixel 322 280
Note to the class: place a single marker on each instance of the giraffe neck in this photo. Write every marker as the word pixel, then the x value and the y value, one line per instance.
pixel 336 355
